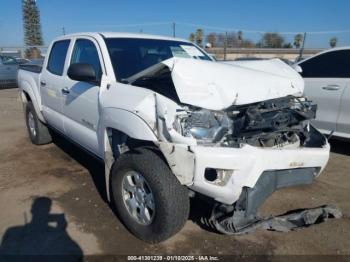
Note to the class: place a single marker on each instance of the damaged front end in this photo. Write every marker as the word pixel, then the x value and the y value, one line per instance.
pixel 234 146
pixel 276 124
pixel 281 122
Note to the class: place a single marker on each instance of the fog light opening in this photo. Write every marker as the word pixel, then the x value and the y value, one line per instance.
pixel 219 177
pixel 210 174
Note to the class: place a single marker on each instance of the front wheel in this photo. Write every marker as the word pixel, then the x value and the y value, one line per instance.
pixel 149 199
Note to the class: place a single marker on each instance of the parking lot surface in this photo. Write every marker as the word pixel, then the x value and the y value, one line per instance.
pixel 52 200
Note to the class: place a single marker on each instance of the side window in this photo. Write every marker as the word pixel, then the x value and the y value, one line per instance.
pixel 57 57
pixel 6 60
pixel 85 52
pixel 335 64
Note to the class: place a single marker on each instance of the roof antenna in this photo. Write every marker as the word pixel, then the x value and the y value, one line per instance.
pixel 302 49
pixel 330 134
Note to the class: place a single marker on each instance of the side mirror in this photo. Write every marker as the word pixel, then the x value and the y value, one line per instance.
pixel 82 72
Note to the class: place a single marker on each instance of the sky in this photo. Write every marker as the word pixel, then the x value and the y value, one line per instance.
pixel 155 16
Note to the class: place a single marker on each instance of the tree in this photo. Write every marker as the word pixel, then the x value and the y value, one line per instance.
pixel 298 39
pixel 199 37
pixel 247 44
pixel 333 42
pixel 212 39
pixel 240 35
pixel 192 37
pixel 240 38
pixel 32 28
pixel 259 44
pixel 272 40
pixel 221 38
pixel 232 39
pixel 287 45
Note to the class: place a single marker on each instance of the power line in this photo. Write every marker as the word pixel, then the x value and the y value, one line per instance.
pixel 127 25
pixel 223 29
pixel 227 29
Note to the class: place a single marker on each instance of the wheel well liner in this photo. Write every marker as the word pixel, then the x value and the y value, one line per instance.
pixel 119 143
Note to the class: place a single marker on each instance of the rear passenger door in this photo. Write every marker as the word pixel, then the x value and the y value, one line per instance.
pixel 51 84
pixel 80 101
pixel 326 78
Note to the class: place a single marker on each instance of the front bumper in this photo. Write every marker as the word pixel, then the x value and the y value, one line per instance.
pixel 248 164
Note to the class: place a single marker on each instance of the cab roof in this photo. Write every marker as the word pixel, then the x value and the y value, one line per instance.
pixel 122 35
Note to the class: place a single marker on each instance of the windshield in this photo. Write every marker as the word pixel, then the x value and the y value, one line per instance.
pixel 132 55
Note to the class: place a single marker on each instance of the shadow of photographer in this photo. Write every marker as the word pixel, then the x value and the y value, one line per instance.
pixel 45 234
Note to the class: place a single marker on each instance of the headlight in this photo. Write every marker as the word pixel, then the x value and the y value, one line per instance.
pixel 203 125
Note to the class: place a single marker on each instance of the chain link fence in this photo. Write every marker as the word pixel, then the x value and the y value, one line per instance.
pixel 223 43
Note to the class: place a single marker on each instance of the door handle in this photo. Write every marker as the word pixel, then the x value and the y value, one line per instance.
pixel 65 91
pixel 331 88
pixel 42 83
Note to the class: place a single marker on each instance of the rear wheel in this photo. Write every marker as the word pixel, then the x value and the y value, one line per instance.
pixel 38 133
pixel 149 199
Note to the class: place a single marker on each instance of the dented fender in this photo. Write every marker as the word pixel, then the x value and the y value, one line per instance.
pixel 181 161
pixel 128 123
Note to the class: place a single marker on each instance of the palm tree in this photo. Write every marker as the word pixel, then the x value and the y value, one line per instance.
pixel 211 39
pixel 192 37
pixel 240 38
pixel 333 42
pixel 298 39
pixel 272 40
pixel 199 37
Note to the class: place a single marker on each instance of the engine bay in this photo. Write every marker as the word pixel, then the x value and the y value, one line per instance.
pixel 281 122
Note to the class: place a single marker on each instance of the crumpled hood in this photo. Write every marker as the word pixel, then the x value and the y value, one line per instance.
pixel 217 85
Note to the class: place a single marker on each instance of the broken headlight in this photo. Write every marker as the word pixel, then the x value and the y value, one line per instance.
pixel 203 125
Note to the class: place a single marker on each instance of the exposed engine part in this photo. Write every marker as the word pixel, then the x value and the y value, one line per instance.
pixel 273 123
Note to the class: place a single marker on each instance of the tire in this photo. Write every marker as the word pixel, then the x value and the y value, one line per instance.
pixel 171 200
pixel 38 133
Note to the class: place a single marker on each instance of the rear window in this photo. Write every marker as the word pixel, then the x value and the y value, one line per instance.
pixel 57 57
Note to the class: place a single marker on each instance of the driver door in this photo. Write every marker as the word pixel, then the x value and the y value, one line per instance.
pixel 80 99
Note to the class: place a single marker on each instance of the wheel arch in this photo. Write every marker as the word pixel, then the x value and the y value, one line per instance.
pixel 116 143
pixel 27 95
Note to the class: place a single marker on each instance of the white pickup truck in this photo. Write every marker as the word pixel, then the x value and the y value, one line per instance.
pixel 170 123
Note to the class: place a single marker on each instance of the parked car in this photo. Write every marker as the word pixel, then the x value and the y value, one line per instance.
pixel 169 122
pixel 8 71
pixel 327 82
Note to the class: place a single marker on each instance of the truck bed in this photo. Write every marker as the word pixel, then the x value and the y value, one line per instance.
pixel 28 79
pixel 31 68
